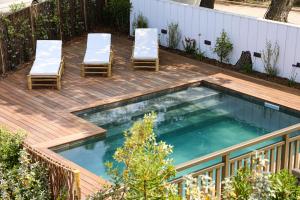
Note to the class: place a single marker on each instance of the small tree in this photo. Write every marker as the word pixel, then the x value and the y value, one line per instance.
pixel 147 166
pixel 174 35
pixel 223 47
pixel 270 58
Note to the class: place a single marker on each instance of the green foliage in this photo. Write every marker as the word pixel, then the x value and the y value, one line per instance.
pixel 116 14
pixel 16 6
pixel 259 184
pixel 47 23
pixel 147 166
pixel 247 68
pixel 139 22
pixel 200 55
pixel 190 46
pixel 292 79
pixel 18 39
pixel 239 186
pixel 174 35
pixel 285 186
pixel 10 147
pixel 223 47
pixel 270 58
pixel 19 177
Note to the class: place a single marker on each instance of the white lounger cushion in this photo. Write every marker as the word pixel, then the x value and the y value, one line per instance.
pixel 48 58
pixel 98 49
pixel 146 44
pixel 44 68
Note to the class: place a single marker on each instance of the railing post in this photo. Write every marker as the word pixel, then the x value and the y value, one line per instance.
pixel 285 152
pixel 77 191
pixel 225 170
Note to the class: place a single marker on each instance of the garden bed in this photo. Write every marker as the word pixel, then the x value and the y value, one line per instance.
pixel 255 74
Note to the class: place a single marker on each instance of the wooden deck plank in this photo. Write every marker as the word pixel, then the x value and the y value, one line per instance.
pixel 45 113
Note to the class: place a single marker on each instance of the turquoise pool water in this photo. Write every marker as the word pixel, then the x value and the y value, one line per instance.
pixel 196 121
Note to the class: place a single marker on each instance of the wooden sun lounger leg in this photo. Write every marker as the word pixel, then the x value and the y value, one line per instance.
pixel 58 82
pixel 109 70
pixel 29 82
pixel 157 65
pixel 110 64
pixel 82 71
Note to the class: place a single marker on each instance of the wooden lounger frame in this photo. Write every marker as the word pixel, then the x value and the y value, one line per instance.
pixel 139 63
pixel 98 69
pixel 47 80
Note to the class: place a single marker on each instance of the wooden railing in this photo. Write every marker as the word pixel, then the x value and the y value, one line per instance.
pixel 283 154
pixel 62 179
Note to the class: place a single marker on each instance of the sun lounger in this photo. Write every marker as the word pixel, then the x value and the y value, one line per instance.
pixel 145 50
pixel 98 56
pixel 48 65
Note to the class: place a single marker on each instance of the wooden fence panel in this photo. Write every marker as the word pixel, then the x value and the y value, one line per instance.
pixel 61 178
pixel 53 19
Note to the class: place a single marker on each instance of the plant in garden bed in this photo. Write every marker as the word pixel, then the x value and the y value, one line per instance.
pixel 247 68
pixel 270 58
pixel 292 79
pixel 139 22
pixel 174 35
pixel 190 45
pixel 223 47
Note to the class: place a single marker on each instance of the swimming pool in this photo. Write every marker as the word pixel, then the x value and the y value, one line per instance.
pixel 196 121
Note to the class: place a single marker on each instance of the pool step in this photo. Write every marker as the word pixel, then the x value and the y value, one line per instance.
pixel 137 111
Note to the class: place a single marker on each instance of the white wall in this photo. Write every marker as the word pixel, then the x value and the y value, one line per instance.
pixel 246 33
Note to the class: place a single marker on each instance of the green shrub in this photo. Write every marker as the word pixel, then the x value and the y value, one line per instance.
pixel 147 166
pixel 200 55
pixel 270 58
pixel 10 147
pixel 285 186
pixel 238 186
pixel 223 47
pixel 20 178
pixel 116 14
pixel 139 22
pixel 174 35
pixel 247 68
pixel 190 46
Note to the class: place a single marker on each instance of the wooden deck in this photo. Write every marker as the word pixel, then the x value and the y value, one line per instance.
pixel 46 113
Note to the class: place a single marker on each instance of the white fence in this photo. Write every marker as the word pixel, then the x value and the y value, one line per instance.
pixel 246 33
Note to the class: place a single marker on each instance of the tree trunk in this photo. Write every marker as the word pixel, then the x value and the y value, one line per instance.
pixel 279 10
pixel 207 3
pixel 245 61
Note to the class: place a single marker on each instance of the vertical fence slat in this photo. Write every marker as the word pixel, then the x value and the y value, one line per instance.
pixel 297 155
pixel 272 160
pixel 278 158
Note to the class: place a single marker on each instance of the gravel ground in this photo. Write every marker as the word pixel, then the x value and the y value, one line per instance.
pixel 294 17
